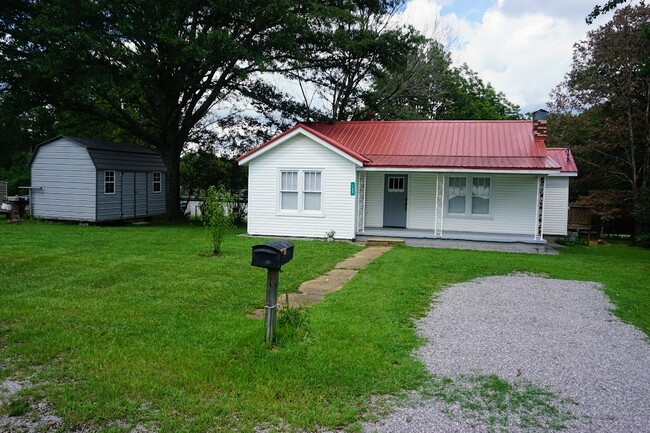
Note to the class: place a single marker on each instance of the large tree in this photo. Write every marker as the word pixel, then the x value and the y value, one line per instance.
pixel 155 68
pixel 602 108
pixel 428 86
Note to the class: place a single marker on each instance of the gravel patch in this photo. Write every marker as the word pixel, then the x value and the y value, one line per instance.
pixel 526 353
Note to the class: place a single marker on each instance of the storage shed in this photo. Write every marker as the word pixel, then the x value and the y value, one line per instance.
pixel 79 179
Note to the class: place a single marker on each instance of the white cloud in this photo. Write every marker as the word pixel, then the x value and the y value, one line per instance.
pixel 522 47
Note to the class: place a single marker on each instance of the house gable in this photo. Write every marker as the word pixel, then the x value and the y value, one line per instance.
pixel 301 130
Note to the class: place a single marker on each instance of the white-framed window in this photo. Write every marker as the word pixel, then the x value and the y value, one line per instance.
pixel 475 202
pixel 456 195
pixel 480 196
pixel 301 191
pixel 396 184
pixel 109 182
pixel 157 181
pixel 312 191
pixel 289 190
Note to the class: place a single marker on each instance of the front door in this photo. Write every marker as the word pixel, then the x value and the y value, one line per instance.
pixel 395 194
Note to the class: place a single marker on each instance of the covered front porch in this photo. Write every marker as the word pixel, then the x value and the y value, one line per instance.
pixel 511 212
pixel 456 240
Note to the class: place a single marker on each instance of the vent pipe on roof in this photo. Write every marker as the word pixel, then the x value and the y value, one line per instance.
pixel 539 124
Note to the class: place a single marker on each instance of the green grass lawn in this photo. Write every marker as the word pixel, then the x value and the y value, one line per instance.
pixel 133 324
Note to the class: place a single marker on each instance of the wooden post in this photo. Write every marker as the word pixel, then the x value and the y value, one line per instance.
pixel 271 303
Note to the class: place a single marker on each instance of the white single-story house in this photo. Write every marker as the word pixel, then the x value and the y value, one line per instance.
pixel 471 180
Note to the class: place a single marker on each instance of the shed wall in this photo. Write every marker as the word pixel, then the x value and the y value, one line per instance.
pixel 127 193
pixel 556 205
pixel 66 175
pixel 301 153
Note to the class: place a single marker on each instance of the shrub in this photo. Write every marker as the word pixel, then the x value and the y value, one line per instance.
pixel 217 215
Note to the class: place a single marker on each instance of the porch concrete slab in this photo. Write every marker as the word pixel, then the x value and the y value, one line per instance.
pixel 361 259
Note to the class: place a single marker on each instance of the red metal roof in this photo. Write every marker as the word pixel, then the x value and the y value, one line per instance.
pixel 468 144
pixel 564 158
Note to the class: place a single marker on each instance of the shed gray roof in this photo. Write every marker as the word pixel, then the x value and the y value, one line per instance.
pixel 107 155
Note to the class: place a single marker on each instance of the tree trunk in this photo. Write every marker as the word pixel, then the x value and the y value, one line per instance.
pixel 172 159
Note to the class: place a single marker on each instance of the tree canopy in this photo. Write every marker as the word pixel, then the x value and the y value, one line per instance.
pixel 154 69
pixel 428 86
pixel 602 110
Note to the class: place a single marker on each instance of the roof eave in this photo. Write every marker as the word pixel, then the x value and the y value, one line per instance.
pixel 333 145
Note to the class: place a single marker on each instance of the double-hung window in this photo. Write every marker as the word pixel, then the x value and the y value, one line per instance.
pixel 109 182
pixel 463 201
pixel 289 190
pixel 457 195
pixel 301 191
pixel 157 182
pixel 312 191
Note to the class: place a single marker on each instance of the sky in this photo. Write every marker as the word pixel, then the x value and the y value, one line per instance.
pixel 522 47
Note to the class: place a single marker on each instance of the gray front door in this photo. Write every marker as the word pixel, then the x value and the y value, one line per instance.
pixel 395 193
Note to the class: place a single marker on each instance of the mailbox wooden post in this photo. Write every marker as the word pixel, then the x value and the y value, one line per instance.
pixel 272 255
pixel 271 308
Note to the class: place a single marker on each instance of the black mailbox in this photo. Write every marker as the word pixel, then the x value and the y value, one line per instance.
pixel 272 255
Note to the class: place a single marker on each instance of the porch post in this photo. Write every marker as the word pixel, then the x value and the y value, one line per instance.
pixel 440 204
pixel 539 214
pixel 361 201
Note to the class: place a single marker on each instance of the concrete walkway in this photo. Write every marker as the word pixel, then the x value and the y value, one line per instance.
pixel 313 291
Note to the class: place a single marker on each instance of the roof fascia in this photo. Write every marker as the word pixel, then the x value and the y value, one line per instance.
pixel 298 130
pixel 460 170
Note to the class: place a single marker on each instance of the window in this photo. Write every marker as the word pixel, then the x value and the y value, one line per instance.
pixel 457 195
pixel 312 190
pixel 480 195
pixel 109 182
pixel 395 184
pixel 301 191
pixel 460 202
pixel 157 183
pixel 289 190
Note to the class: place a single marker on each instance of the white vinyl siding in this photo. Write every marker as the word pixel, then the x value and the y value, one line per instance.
pixel 512 204
pixel 556 205
pixel 66 175
pixel 375 199
pixel 512 207
pixel 303 155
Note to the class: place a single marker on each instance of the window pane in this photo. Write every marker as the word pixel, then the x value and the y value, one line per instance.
pixel 457 204
pixel 289 181
pixel 312 181
pixel 480 206
pixel 289 201
pixel 481 187
pixel 312 201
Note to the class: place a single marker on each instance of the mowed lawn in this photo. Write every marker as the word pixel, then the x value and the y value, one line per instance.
pixel 133 324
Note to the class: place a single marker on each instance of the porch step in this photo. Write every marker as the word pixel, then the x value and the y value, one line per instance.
pixel 384 242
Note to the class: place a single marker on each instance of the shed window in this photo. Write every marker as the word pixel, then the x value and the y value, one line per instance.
pixel 312 190
pixel 289 190
pixel 157 184
pixel 109 182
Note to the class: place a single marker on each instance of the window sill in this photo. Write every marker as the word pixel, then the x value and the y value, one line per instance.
pixel 469 216
pixel 300 214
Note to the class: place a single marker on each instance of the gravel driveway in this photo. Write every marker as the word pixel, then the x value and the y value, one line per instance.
pixel 525 353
